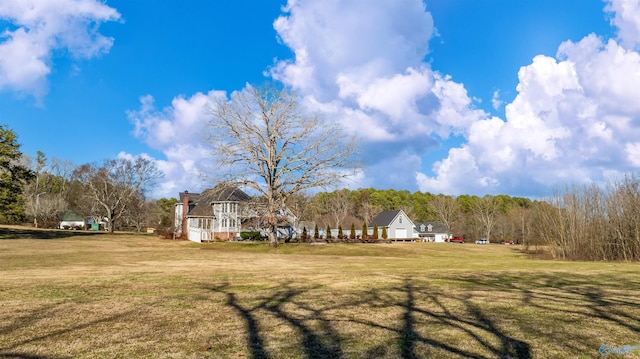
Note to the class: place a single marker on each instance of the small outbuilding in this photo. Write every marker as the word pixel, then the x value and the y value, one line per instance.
pixel 72 220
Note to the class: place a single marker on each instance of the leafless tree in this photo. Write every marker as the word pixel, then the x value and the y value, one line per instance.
pixel 44 196
pixel 340 205
pixel 447 208
pixel 485 211
pixel 113 185
pixel 367 210
pixel 142 213
pixel 63 170
pixel 264 139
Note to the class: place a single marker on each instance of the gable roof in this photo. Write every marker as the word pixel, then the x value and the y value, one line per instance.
pixel 200 203
pixel 72 216
pixel 436 227
pixel 384 218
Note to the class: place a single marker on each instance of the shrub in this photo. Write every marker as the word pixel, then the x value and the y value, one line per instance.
pixel 250 235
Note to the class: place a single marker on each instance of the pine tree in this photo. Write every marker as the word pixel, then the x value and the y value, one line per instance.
pixel 375 231
pixel 365 231
pixel 328 232
pixel 316 232
pixel 352 235
pixel 384 233
pixel 304 234
pixel 340 234
pixel 13 177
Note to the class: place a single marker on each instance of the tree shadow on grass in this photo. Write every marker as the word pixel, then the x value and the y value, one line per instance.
pixel 472 322
pixel 26 356
pixel 32 233
pixel 316 323
pixel 569 301
pixel 481 316
pixel 319 343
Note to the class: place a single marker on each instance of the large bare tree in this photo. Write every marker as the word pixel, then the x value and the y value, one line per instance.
pixel 340 205
pixel 485 210
pixel 116 183
pixel 447 208
pixel 264 139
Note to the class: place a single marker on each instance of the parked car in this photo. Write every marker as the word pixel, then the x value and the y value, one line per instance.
pixel 456 240
pixel 510 242
pixel 482 241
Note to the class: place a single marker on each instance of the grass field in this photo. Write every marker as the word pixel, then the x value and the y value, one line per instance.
pixel 75 295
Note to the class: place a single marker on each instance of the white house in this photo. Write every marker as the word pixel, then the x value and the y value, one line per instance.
pixel 221 213
pixel 212 214
pixel 431 231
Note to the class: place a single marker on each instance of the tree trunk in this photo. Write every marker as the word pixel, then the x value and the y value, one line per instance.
pixel 273 236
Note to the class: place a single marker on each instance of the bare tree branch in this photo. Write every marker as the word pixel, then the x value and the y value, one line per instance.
pixel 265 140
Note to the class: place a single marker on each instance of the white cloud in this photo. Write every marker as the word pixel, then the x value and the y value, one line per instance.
pixel 626 17
pixel 182 122
pixel 363 64
pixel 178 131
pixel 496 102
pixel 632 150
pixel 575 119
pixel 40 27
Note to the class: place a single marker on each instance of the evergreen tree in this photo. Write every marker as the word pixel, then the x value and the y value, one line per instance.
pixel 384 232
pixel 328 232
pixel 316 232
pixel 352 235
pixel 13 177
pixel 365 231
pixel 304 234
pixel 375 231
pixel 340 234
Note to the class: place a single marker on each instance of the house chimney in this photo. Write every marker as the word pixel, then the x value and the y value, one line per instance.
pixel 185 211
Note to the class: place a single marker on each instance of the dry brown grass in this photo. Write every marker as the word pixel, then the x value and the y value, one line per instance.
pixel 130 296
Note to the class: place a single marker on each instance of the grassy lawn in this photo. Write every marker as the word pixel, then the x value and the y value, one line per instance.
pixel 81 295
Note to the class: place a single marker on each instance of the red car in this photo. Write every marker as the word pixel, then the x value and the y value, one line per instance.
pixel 456 240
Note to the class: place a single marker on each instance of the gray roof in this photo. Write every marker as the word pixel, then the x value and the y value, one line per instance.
pixel 200 203
pixel 436 227
pixel 384 219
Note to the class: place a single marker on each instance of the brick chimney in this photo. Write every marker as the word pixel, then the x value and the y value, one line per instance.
pixel 185 211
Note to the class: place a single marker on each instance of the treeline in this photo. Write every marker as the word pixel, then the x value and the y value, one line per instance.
pixel 592 223
pixel 499 218
pixel 112 193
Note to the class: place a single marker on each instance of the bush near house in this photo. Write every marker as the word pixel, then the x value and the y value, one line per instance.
pixel 251 235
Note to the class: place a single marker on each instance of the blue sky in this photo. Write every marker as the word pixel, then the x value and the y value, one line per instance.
pixel 456 96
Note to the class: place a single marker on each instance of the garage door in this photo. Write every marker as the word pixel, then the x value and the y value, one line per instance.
pixel 401 233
